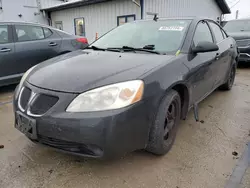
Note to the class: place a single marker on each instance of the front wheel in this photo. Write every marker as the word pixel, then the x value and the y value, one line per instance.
pixel 230 80
pixel 164 129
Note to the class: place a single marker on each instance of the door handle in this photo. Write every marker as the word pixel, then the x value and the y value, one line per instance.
pixel 52 44
pixel 231 46
pixel 5 50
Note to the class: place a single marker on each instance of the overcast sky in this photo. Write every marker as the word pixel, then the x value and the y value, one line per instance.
pixel 243 6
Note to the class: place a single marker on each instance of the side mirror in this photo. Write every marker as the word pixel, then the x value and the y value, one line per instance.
pixel 203 47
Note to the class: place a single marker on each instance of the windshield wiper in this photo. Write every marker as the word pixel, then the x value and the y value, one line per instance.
pixel 95 48
pixel 102 49
pixel 147 48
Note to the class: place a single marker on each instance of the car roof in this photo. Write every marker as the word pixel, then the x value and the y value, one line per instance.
pixel 34 24
pixel 242 19
pixel 26 23
pixel 178 18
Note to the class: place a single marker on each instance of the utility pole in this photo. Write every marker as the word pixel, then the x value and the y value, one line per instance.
pixel 237 14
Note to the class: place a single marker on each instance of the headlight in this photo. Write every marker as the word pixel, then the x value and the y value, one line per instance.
pixel 23 79
pixel 108 97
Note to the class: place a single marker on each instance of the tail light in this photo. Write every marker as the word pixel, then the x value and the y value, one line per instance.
pixel 82 40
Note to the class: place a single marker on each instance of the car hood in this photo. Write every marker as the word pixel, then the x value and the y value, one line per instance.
pixel 80 71
pixel 240 35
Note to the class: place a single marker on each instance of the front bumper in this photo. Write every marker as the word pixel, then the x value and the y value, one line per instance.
pixel 96 134
pixel 244 57
pixel 244 54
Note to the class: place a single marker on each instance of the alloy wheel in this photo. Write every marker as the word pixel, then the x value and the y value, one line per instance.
pixel 170 121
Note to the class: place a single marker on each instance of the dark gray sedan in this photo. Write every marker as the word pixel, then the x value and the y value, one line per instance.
pixel 128 90
pixel 240 31
pixel 23 45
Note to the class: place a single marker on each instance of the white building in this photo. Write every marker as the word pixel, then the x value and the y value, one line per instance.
pixel 26 10
pixel 88 17
pixel 22 10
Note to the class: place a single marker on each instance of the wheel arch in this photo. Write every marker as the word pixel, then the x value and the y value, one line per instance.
pixel 184 93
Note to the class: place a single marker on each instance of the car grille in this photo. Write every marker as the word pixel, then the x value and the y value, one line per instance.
pixel 42 104
pixel 74 147
pixel 39 103
pixel 24 97
pixel 242 43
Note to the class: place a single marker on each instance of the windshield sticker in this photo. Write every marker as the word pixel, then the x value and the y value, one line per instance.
pixel 171 28
pixel 178 53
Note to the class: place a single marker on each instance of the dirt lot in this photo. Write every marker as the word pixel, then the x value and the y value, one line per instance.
pixel 201 156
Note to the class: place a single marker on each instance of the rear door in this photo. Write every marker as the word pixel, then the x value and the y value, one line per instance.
pixel 53 40
pixel 201 75
pixel 224 55
pixel 34 44
pixel 7 50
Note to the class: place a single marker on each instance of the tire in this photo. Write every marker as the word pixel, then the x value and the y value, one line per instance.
pixel 230 80
pixel 162 136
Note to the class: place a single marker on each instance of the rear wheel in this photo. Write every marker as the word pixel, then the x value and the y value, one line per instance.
pixel 163 132
pixel 230 80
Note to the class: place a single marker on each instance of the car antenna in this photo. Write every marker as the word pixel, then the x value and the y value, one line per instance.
pixel 153 14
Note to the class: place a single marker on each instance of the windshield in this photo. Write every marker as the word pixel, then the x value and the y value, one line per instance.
pixel 164 35
pixel 237 26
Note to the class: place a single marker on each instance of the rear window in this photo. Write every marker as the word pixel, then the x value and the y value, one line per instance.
pixel 47 32
pixel 164 35
pixel 237 26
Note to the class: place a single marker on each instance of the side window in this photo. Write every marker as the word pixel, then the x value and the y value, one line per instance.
pixel 202 34
pixel 47 32
pixel 4 34
pixel 29 33
pixel 224 34
pixel 217 32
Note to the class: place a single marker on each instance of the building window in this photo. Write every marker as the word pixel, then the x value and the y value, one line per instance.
pixel 80 26
pixel 59 25
pixel 124 19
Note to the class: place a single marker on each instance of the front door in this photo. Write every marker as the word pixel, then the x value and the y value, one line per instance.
pixel 224 57
pixel 34 44
pixel 201 77
pixel 7 56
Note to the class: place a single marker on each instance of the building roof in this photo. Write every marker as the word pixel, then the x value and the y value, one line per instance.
pixel 76 3
pixel 72 4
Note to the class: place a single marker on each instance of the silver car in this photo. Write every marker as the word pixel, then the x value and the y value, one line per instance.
pixel 23 45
